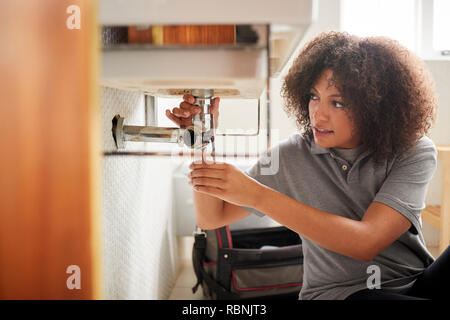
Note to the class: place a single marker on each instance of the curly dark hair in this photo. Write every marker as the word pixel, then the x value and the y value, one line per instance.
pixel 387 90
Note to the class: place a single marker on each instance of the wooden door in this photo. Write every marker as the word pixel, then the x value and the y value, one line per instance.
pixel 49 150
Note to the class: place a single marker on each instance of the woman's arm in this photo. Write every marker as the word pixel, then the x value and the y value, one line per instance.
pixel 362 240
pixel 212 212
pixel 208 210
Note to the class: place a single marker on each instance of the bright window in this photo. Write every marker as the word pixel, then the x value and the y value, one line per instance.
pixel 395 19
pixel 441 25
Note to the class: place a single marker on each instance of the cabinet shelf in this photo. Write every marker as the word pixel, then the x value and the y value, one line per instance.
pixel 233 71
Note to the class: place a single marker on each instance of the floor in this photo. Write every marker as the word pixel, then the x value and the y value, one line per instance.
pixel 186 278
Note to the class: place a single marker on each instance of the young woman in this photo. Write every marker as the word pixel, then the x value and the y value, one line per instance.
pixel 353 182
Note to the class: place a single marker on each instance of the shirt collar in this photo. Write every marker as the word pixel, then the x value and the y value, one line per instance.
pixel 315 149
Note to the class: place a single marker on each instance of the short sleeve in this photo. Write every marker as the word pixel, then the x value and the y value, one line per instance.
pixel 265 171
pixel 405 187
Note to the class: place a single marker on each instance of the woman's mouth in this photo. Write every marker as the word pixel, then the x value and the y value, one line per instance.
pixel 322 132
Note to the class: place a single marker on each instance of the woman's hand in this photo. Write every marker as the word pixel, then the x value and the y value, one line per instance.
pixel 182 116
pixel 225 182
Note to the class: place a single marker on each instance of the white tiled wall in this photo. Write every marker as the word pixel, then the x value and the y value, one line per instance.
pixel 139 241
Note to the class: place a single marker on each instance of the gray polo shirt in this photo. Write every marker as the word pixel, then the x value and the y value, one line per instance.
pixel 345 182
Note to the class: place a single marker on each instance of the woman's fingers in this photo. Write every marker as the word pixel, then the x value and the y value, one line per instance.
pixel 214 165
pixel 173 118
pixel 210 177
pixel 182 113
pixel 189 98
pixel 190 107
pixel 189 101
pixel 215 111
pixel 215 105
pixel 209 191
pixel 211 173
pixel 209 182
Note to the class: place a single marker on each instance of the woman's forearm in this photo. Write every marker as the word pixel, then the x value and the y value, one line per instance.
pixel 208 210
pixel 333 232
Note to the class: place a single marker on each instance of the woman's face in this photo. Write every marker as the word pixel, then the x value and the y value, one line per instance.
pixel 330 123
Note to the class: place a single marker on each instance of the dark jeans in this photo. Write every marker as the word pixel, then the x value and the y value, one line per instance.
pixel 433 283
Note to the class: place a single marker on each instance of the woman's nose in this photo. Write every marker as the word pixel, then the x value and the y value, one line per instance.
pixel 320 112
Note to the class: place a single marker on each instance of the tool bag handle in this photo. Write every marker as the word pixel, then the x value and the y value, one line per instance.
pixel 198 255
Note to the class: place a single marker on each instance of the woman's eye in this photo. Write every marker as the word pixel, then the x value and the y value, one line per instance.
pixel 312 96
pixel 338 104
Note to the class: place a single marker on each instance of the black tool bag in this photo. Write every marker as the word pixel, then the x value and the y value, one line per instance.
pixel 264 263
